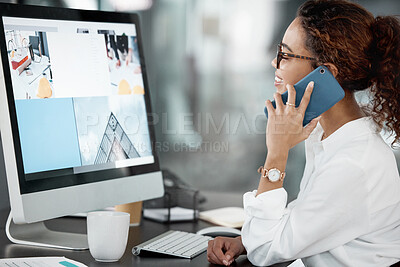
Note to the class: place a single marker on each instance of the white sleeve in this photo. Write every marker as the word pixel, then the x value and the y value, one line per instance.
pixel 331 213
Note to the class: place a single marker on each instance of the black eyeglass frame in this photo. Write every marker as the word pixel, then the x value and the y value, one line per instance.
pixel 280 55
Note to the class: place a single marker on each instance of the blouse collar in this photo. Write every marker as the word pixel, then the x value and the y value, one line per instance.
pixel 344 135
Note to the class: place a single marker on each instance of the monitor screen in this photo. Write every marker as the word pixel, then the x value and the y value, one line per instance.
pixel 79 107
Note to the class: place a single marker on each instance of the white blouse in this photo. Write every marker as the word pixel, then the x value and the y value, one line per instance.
pixel 347 212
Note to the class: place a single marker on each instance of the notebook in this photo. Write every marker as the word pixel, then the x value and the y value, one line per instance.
pixel 228 217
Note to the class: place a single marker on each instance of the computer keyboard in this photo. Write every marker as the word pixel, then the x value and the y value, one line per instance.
pixel 175 243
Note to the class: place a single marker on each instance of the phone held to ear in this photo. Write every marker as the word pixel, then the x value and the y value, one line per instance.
pixel 326 93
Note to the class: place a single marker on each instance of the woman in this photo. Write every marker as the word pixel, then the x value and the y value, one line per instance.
pixel 348 209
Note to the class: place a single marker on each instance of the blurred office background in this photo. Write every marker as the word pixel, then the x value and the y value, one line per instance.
pixel 209 70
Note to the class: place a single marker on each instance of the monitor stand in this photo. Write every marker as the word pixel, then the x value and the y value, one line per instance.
pixel 37 234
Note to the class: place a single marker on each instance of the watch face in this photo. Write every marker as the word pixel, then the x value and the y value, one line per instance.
pixel 274 175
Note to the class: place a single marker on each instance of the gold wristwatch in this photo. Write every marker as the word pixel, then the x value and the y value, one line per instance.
pixel 273 174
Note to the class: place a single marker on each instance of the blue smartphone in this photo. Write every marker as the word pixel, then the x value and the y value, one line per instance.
pixel 327 92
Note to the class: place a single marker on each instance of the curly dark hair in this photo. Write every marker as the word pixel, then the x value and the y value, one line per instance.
pixel 365 50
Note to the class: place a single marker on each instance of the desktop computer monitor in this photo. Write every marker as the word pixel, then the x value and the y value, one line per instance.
pixel 75 126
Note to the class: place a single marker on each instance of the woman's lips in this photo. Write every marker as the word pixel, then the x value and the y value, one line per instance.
pixel 278 81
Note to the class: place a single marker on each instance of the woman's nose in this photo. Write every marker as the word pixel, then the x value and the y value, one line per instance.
pixel 273 62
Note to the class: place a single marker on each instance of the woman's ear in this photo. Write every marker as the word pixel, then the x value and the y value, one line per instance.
pixel 332 68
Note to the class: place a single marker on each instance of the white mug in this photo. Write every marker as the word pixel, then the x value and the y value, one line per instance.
pixel 107 234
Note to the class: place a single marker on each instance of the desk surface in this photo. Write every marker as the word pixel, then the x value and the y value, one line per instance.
pixel 138 234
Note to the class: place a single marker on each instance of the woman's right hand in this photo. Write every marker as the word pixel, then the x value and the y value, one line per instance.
pixel 224 250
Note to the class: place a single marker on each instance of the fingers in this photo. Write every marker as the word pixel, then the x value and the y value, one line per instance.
pixel 211 257
pixel 214 252
pixel 306 97
pixel 223 250
pixel 291 94
pixel 278 101
pixel 270 107
pixel 217 249
pixel 231 254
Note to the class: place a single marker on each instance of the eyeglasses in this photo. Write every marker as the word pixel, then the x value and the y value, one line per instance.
pixel 280 55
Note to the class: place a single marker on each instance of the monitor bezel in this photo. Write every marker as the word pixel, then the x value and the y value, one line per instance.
pixel 41 12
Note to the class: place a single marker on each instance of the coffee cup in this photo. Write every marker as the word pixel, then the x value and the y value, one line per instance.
pixel 107 234
pixel 134 209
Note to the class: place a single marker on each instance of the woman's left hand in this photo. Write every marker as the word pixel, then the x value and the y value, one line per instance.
pixel 285 122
